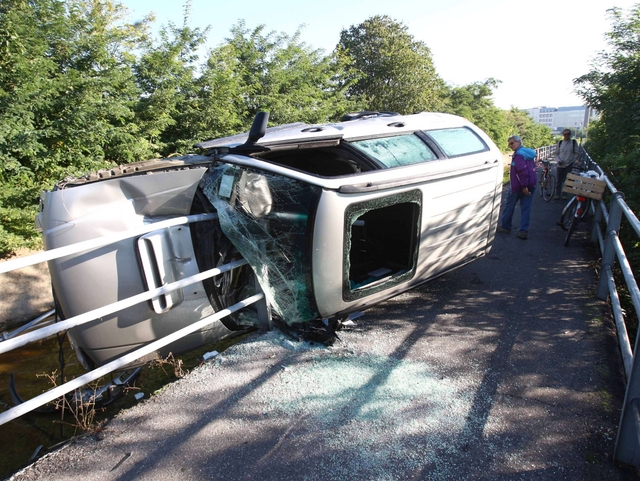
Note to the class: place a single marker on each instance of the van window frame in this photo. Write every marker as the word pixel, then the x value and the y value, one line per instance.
pixel 353 213
pixel 382 166
pixel 427 133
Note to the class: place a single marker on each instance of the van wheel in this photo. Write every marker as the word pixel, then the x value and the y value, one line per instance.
pixel 214 249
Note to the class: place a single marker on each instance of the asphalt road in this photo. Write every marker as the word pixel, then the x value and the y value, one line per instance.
pixel 507 368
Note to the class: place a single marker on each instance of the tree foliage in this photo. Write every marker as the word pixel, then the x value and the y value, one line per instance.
pixel 166 75
pixel 533 135
pixel 66 87
pixel 474 103
pixel 388 68
pixel 613 87
pixel 66 96
pixel 82 89
pixel 254 71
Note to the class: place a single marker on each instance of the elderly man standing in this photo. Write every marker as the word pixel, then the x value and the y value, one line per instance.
pixel 566 154
pixel 521 187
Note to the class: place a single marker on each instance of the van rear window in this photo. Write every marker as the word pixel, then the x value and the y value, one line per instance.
pixel 455 142
pixel 396 151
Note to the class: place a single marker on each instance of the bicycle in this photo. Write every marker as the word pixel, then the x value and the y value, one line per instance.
pixel 587 187
pixel 547 181
pixel 572 214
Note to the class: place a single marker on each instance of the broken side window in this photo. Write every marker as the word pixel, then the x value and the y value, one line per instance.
pixel 269 218
pixel 396 151
pixel 381 243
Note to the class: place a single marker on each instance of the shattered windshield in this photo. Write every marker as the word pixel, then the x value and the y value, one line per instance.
pixel 396 151
pixel 269 218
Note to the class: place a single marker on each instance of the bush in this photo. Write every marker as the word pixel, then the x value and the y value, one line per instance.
pixel 18 209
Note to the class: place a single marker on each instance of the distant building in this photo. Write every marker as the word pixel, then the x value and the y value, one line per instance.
pixel 558 119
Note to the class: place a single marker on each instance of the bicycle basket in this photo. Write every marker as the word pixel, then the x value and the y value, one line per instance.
pixel 584 186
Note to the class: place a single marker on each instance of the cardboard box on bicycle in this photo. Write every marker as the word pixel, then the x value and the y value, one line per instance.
pixel 584 186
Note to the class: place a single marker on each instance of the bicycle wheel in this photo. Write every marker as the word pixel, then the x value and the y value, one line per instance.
pixel 549 187
pixel 572 226
pixel 568 213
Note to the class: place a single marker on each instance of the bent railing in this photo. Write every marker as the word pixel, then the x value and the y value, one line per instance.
pixel 17 338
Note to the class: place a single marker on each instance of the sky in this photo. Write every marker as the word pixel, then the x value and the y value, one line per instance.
pixel 534 48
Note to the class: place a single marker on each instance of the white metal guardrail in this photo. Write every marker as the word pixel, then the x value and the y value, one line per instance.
pixel 546 152
pixel 119 363
pixel 606 230
pixel 89 316
pixel 100 242
pixel 13 341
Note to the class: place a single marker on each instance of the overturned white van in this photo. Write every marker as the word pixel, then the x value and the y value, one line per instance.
pixel 332 219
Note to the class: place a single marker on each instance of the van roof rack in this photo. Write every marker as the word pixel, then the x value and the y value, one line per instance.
pixel 365 114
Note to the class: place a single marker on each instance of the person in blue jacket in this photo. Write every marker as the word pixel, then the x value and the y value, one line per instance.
pixel 522 185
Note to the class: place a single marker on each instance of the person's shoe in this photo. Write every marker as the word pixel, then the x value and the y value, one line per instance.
pixel 522 235
pixel 556 197
pixel 502 230
pixel 564 197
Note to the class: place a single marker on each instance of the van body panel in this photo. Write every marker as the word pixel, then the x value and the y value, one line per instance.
pixel 89 280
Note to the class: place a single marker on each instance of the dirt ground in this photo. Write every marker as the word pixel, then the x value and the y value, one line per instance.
pixel 24 294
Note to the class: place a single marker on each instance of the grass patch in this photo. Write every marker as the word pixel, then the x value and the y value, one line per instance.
pixel 23 436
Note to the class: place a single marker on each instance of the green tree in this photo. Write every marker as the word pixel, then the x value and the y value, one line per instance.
pixel 533 135
pixel 221 107
pixel 613 88
pixel 388 69
pixel 254 71
pixel 474 103
pixel 66 99
pixel 64 69
pixel 166 74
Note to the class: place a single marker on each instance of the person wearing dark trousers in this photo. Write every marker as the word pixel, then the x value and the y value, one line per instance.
pixel 522 184
pixel 567 152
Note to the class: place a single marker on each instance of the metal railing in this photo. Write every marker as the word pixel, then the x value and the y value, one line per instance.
pixel 20 337
pixel 608 214
pixel 546 152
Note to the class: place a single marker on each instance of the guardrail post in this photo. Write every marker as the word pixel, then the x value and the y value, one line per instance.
pixel 609 255
pixel 264 312
pixel 596 221
pixel 627 449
